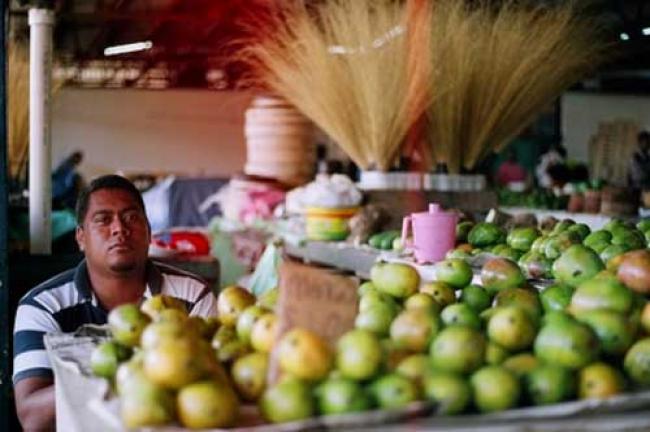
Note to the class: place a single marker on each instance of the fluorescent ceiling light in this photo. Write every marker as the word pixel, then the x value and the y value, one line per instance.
pixel 646 31
pixel 625 36
pixel 128 48
pixel 376 44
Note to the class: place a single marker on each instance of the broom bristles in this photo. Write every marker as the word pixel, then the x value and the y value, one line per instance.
pixel 347 65
pixel 502 67
pixel 17 108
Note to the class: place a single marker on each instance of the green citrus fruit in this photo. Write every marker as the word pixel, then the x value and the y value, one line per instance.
pixel 511 328
pixel 577 264
pixel 442 293
pixel 454 272
pixel 458 349
pixel 106 358
pixel 521 364
pixel 599 380
pixel 451 392
pixel 413 329
pixel 637 362
pixel 460 314
pixel 613 330
pixel 476 297
pixel 288 400
pixel 207 404
pixel 249 375
pixel 358 355
pixel 395 279
pixel 549 384
pixel 341 396
pixel 499 273
pixel 556 297
pixel 393 391
pixel 495 389
pixel 127 323
pixel 566 343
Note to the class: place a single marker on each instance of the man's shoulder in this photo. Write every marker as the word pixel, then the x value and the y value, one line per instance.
pixel 181 284
pixel 169 270
pixel 65 278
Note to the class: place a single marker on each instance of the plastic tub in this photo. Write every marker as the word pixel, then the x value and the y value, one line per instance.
pixel 329 224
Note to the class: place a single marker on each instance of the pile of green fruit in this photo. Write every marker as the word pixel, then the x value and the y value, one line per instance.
pixel 386 240
pixel 167 367
pixel 466 347
pixel 537 198
pixel 536 251
pixel 501 344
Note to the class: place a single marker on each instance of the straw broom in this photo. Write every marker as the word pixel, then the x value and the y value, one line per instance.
pixel 344 65
pixel 17 108
pixel 502 67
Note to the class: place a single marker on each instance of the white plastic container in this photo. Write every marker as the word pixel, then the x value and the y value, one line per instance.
pixel 444 183
pixel 414 181
pixel 374 180
pixel 480 182
pixel 426 182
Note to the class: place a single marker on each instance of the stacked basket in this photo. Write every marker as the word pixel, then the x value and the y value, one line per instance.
pixel 279 142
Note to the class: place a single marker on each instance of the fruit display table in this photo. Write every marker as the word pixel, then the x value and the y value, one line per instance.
pixel 340 255
pixel 471 334
pixel 80 405
pixel 359 259
pixel 595 221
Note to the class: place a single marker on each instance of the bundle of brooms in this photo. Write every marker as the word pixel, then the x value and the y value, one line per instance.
pixel 366 70
pixel 501 67
pixel 17 109
pixel 346 65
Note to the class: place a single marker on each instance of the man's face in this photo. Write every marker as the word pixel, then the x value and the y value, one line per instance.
pixel 115 233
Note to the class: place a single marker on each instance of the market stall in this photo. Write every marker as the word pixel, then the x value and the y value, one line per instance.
pixel 415 296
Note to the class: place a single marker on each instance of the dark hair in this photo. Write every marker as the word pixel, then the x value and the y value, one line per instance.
pixel 105 182
pixel 559 148
pixel 643 136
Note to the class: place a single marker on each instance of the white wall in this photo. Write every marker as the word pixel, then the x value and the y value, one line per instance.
pixel 191 132
pixel 200 133
pixel 581 113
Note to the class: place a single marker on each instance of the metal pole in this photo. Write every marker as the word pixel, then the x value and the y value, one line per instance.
pixel 41 22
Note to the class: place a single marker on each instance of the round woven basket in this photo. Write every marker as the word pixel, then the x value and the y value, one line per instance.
pixel 279 142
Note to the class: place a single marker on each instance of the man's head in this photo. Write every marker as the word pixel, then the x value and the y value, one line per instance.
pixel 511 155
pixel 643 138
pixel 76 158
pixel 558 148
pixel 112 227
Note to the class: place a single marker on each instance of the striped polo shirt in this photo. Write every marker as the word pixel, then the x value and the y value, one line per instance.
pixel 65 302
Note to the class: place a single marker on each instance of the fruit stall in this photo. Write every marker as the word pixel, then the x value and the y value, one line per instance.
pixel 537 327
pixel 414 298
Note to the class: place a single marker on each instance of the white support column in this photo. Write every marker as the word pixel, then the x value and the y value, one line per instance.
pixel 41 22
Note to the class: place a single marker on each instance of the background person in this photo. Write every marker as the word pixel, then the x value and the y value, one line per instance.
pixel 510 171
pixel 551 169
pixel 67 183
pixel 639 165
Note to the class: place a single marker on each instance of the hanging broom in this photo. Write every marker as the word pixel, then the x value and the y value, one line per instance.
pixel 347 65
pixel 502 67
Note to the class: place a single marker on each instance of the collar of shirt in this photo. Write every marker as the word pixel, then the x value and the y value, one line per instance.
pixel 83 286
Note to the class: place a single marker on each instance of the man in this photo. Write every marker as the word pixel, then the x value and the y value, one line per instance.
pixel 67 182
pixel 639 166
pixel 114 234
pixel 510 171
pixel 551 170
